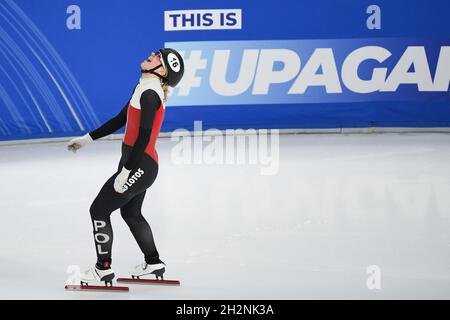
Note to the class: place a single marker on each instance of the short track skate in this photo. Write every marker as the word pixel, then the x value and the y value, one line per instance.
pixel 105 288
pixel 158 281
pixel 92 280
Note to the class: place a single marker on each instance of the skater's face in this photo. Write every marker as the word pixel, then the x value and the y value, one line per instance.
pixel 152 61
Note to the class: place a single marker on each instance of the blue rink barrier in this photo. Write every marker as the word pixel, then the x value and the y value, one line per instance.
pixel 66 68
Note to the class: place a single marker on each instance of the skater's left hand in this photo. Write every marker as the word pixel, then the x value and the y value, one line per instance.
pixel 79 142
pixel 121 179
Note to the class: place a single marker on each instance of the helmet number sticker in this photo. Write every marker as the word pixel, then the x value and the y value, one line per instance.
pixel 174 63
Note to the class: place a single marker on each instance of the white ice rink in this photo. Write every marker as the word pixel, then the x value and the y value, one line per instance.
pixel 339 204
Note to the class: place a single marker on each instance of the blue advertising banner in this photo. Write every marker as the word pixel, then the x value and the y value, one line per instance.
pixel 68 66
pixel 313 71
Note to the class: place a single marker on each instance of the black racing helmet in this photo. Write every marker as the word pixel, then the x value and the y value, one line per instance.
pixel 174 64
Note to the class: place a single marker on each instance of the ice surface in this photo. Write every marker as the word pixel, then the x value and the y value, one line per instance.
pixel 339 204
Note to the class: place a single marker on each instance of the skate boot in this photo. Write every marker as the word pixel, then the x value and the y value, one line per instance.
pixel 95 276
pixel 145 269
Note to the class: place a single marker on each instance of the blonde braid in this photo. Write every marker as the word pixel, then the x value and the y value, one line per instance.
pixel 165 87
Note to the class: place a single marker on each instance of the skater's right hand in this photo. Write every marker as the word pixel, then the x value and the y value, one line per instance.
pixel 121 179
pixel 77 143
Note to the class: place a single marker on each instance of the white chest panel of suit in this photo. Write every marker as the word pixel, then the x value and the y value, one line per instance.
pixel 146 84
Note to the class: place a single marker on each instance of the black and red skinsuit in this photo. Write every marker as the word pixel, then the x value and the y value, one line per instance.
pixel 143 116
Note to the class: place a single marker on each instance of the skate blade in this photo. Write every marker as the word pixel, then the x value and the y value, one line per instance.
pixel 149 281
pixel 71 287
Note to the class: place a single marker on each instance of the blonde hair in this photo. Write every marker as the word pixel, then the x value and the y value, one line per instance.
pixel 165 87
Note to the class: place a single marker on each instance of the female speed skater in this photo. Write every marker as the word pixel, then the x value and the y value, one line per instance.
pixel 137 169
